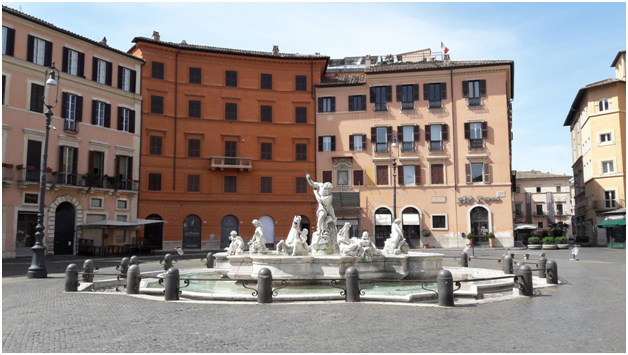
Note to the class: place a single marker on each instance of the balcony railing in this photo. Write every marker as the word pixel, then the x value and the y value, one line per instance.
pixel 231 163
pixel 381 147
pixel 67 179
pixel 539 214
pixel 607 204
pixel 381 106
pixel 435 104
pixel 476 144
pixel 436 145
pixel 70 126
pixel 474 101
pixel 408 147
pixel 407 105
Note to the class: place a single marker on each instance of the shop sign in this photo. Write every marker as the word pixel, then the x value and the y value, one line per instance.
pixel 481 199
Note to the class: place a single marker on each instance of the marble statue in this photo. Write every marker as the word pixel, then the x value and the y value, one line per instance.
pixel 257 244
pixel 236 247
pixel 369 248
pixel 396 244
pixel 326 216
pixel 323 243
pixel 348 247
pixel 300 244
pixel 287 246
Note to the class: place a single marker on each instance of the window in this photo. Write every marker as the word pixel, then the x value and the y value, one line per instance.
pixel 518 209
pixel 125 77
pixel 603 105
pixel 157 70
pixel 154 182
pixel 327 144
pixel 609 199
pixel 437 174
pixel 8 40
pixel 301 115
pixel 381 139
pixel 606 138
pixel 327 176
pixel 69 112
pixel 101 71
pixel 301 152
pixel 267 114
pixel 39 51
pixel 380 95
pixel 194 148
pixel 195 75
pixel 125 119
pixel 301 83
pixel 95 202
pixel 518 189
pixel 358 177
pixel 407 96
pixel 434 94
pixel 72 62
pixel 4 84
pixel 539 225
pixel 439 222
pixel 266 185
pixel 157 105
pixel 230 184
pixel 37 98
pixel 357 103
pixel 474 90
pixel 194 183
pixel 231 112
pixel 99 113
pixel 96 164
pixel 194 109
pixel 155 145
pixel 436 136
pixel 122 204
pixel 408 175
pixel 231 78
pixel 558 188
pixel 608 167
pixel 342 177
pixel 301 185
pixel 31 199
pixel 266 151
pixel 267 81
pixel 538 189
pixel 231 150
pixel 559 209
pixel 326 104
pixel 476 132
pixel 408 138
pixel 539 210
pixel 358 142
pixel 382 174
pixel 477 172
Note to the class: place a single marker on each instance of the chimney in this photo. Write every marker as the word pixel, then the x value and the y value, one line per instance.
pixel 156 36
pixel 275 50
pixel 104 41
pixel 184 42
pixel 367 60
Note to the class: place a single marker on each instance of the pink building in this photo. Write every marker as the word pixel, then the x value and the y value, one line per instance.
pixel 439 130
pixel 93 153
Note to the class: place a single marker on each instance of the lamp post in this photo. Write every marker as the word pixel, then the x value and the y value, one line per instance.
pixel 394 165
pixel 38 270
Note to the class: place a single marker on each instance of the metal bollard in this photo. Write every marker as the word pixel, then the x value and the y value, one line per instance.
pixel 167 262
pixel 209 262
pixel 464 259
pixel 541 265
pixel 172 284
pixel 552 272
pixel 88 271
pixel 525 275
pixel 516 268
pixel 265 286
pixel 507 264
pixel 133 280
pixel 134 260
pixel 124 266
pixel 445 288
pixel 71 278
pixel 352 281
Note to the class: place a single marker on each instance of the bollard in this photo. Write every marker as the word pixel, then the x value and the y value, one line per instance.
pixel 525 275
pixel 464 259
pixel 445 288
pixel 352 281
pixel 124 266
pixel 134 260
pixel 133 280
pixel 71 278
pixel 541 265
pixel 167 262
pixel 507 264
pixel 88 271
pixel 516 268
pixel 552 272
pixel 172 284
pixel 264 286
pixel 210 261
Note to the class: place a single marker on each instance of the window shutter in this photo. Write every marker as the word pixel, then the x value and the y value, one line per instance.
pixel 467 169
pixel 467 130
pixel 75 160
pixel 416 133
pixel 80 71
pixel 351 147
pixel 90 162
pixel 487 175
pixel 372 94
pixel 133 79
pixel 333 104
pixel 482 88
pixel 29 51
pixel 415 92
pixel 48 54
pixel 363 108
pixel 417 175
pixel 333 143
pixel 94 105
pixel 443 91
pixel 426 92
pixel 484 130
pixel 61 151
pixel 399 93
pixel 351 103
pixel 389 134
pixel 373 135
pixel 117 166
pixel 79 109
pixel 388 93
pixel 94 68
pixel 445 130
pixel 109 74
pixel 120 77
pixel 320 104
pixel 399 133
pixel 400 174
pixel 428 133
pixel 363 141
pixel 465 89
pixel 10 41
pixel 119 118
pixel 64 105
pixel 320 143
pixel 64 68
pixel 129 168
pixel 132 121
pixel 107 115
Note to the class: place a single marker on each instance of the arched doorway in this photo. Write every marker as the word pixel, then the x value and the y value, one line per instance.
pixel 268 224
pixel 383 223
pixel 154 233
pixel 305 224
pixel 411 221
pixel 192 232
pixel 228 224
pixel 479 220
pixel 64 229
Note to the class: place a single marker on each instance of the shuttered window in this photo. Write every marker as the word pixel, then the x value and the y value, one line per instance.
pixel 39 51
pixel 266 151
pixel 231 184
pixel 301 152
pixel 157 70
pixel 155 145
pixel 327 143
pixel 8 41
pixel 37 98
pixel 194 109
pixel 435 93
pixel 357 103
pixel 157 105
pixel 195 75
pixel 267 81
pixel 4 84
pixel 267 114
pixel 301 83
pixel 438 174
pixel 73 62
pixel 301 185
pixel 231 78
pixel 326 104
pixel 301 115
pixel 194 148
pixel 194 183
pixel 358 177
pixel 382 175
pixel 102 71
pixel 327 176
pixel 266 185
pixel 231 112
pixel 154 182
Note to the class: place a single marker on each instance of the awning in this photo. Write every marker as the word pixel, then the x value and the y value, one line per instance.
pixel 612 223
pixel 141 222
pixel 411 219
pixel 525 226
pixel 109 223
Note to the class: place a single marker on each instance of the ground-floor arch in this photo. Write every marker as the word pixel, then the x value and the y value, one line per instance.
pixel 229 223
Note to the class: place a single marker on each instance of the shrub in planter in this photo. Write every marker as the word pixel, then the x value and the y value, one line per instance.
pixel 560 240
pixel 491 239
pixel 534 240
pixel 426 233
pixel 470 237
pixel 548 241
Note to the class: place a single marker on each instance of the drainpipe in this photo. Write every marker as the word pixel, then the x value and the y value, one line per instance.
pixel 313 95
pixel 176 99
pixel 453 136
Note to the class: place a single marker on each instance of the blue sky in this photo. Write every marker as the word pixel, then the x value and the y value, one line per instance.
pixel 557 47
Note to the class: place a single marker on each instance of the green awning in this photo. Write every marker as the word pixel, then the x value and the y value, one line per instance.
pixel 612 223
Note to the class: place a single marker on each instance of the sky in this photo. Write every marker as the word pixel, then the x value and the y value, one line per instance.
pixel 557 47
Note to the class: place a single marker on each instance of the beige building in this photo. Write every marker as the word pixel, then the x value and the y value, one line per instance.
pixel 427 141
pixel 597 120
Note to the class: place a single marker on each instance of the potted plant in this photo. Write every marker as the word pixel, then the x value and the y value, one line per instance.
pixel 534 243
pixel 91 179
pixel 112 180
pixel 561 242
pixel 426 233
pixel 583 240
pixel 491 239
pixel 20 167
pixel 470 239
pixel 549 243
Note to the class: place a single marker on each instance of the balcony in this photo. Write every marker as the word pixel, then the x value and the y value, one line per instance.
pixel 96 181
pixel 407 105
pixel 67 179
pixel 432 104
pixel 70 126
pixel 539 214
pixel 474 101
pixel 223 163
pixel 476 144
pixel 381 106
pixel 381 147
pixel 436 146
pixel 600 205
pixel 408 147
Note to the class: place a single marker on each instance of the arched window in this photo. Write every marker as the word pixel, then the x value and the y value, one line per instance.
pixel 154 233
pixel 603 105
pixel 192 232
pixel 383 222
pixel 268 224
pixel 229 223
pixel 411 221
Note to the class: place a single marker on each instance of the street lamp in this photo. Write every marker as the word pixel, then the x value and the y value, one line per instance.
pixel 38 270
pixel 394 164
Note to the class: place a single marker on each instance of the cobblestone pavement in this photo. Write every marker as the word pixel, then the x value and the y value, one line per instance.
pixel 588 314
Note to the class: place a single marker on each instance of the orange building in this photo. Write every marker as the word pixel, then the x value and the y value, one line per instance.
pixel 226 137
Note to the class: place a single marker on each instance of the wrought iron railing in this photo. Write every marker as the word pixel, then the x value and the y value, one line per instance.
pixel 474 101
pixel 608 204
pixel 381 147
pixel 408 147
pixel 67 179
pixel 476 143
pixel 436 145
pixel 435 104
pixel 407 105
pixel 70 126
pixel 381 106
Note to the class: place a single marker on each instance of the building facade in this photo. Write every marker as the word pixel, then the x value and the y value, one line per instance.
pixel 543 199
pixel 227 138
pixel 93 151
pixel 597 121
pixel 426 141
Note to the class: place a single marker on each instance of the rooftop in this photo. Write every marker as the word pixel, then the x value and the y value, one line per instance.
pixel 576 102
pixel 434 65
pixel 342 80
pixel 617 57
pixel 535 174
